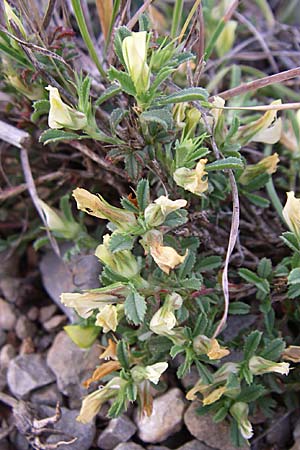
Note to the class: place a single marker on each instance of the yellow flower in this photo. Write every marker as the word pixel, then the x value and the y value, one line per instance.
pixel 96 206
pixel 192 179
pixel 240 412
pixel 92 403
pixel 11 16
pixel 107 318
pixel 163 322
pixel 199 387
pixel 154 372
pixel 214 396
pixel 122 262
pixel 291 213
pixel 134 49
pixel 157 212
pixel 101 371
pixel 61 115
pixel 292 353
pixel 266 165
pixel 226 38
pixel 55 222
pixel 259 366
pixel 110 351
pixel 216 351
pixel 166 257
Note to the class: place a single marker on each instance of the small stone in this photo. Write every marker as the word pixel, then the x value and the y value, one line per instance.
pixel 54 322
pixel 33 313
pixel 235 325
pixel 7 353
pixel 27 347
pixel 128 446
pixel 10 287
pixel 194 445
pixel 119 430
pixel 2 379
pixel 166 417
pixel 43 342
pixel 4 445
pixel 190 379
pixel 48 395
pixel 70 428
pixel 26 373
pixel 25 328
pixel 46 312
pixel 7 316
pixel 280 432
pixel 19 441
pixel 157 447
pixel 2 337
pixel 71 365
pixel 203 428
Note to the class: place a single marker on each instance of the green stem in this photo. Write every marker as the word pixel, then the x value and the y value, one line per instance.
pixel 177 14
pixel 213 39
pixel 272 191
pixel 86 36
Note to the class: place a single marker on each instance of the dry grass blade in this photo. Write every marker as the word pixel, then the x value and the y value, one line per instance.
pixel 104 8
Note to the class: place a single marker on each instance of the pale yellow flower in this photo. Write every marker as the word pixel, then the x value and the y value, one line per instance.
pixel 163 322
pixel 62 115
pixel 291 213
pixel 55 222
pixel 166 257
pixel 157 212
pixel 266 165
pixel 240 412
pixel 154 371
pixel 192 179
pixel 214 396
pixel 216 351
pixel 200 387
pixel 107 318
pixel 110 351
pixel 259 366
pixel 134 49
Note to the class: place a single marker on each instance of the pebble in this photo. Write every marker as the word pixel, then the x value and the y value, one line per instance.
pixel 10 288
pixel 190 379
pixel 216 435
pixel 119 430
pixel 24 328
pixel 2 337
pixel 194 445
pixel 7 316
pixel 27 347
pixel 4 445
pixel 55 322
pixel 280 433
pixel 67 424
pixel 166 418
pixel 7 353
pixel 128 446
pixel 48 395
pixel 26 373
pixel 71 365
pixel 33 313
pixel 46 312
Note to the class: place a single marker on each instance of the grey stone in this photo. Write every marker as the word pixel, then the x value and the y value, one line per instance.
pixel 280 432
pixel 46 312
pixel 2 337
pixel 190 379
pixel 157 447
pixel 48 395
pixel 119 430
pixel 71 365
pixel 128 446
pixel 67 424
pixel 33 313
pixel 7 316
pixel 235 325
pixel 194 445
pixel 7 353
pixel 26 373
pixel 203 428
pixel 10 287
pixel 4 445
pixel 25 328
pixel 166 417
pixel 58 276
pixel 55 322
pixel 19 441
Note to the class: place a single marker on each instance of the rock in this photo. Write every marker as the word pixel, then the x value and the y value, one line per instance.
pixel 46 312
pixel 10 288
pixel 194 445
pixel 25 328
pixel 67 424
pixel 4 445
pixel 280 432
pixel 58 276
pixel 235 325
pixel 19 441
pixel 157 447
pixel 27 346
pixel 33 313
pixel 203 428
pixel 128 446
pixel 190 379
pixel 48 395
pixel 54 322
pixel 2 337
pixel 165 419
pixel 7 353
pixel 26 373
pixel 7 316
pixel 71 365
pixel 119 430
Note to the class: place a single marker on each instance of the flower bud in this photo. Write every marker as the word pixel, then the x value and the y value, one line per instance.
pixel 107 318
pixel 61 115
pixel 214 396
pixel 239 412
pixel 267 165
pixel 193 116
pixel 11 16
pixel 123 262
pixel 66 228
pixel 157 212
pixel 291 213
pixel 134 49
pixel 163 322
pixel 210 347
pixel 151 373
pixel 259 366
pixel 192 179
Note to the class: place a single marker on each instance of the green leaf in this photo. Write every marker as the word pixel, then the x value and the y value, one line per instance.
pixel 82 336
pixel 124 79
pixel 274 349
pixel 176 218
pixel 56 136
pixel 294 291
pixel 116 117
pixel 119 241
pixel 257 200
pixel 294 276
pixel 227 163
pixel 143 194
pixel 187 266
pixel 251 393
pixel 175 350
pixel 193 284
pixel 251 344
pixel 201 324
pixel 209 263
pixel 135 307
pixel 132 167
pixel 40 107
pixel 204 373
pixel 122 354
pixel 252 278
pixel 162 117
pixel 128 205
pixel 239 308
pixel 120 35
pixel 184 95
pixel 264 268
pixel 290 240
pixel 110 92
pixel 220 414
